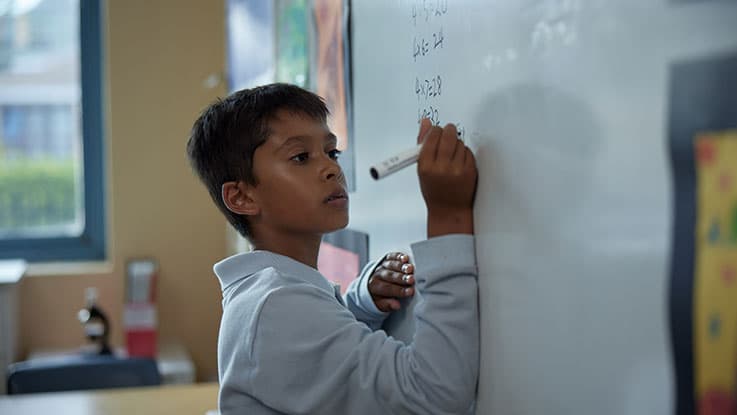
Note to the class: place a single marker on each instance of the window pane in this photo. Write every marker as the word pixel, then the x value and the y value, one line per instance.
pixel 40 132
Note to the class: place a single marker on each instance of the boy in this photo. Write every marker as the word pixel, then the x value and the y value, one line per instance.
pixel 287 342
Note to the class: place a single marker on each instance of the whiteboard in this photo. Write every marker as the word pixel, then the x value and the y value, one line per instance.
pixel 564 103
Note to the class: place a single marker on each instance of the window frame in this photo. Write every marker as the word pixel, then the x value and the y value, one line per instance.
pixel 91 244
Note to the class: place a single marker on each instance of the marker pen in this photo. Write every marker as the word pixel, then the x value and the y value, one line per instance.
pixel 395 163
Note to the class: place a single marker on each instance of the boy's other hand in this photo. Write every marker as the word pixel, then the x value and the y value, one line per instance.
pixel 392 280
pixel 447 172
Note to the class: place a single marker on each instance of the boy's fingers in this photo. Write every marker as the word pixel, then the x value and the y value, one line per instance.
pixel 460 148
pixel 386 304
pixel 380 288
pixel 448 143
pixel 398 266
pixel 407 269
pixel 397 256
pixel 450 131
pixel 429 150
pixel 395 277
pixel 425 125
pixel 470 160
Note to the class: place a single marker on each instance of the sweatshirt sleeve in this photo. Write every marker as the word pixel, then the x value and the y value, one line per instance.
pixel 310 355
pixel 358 298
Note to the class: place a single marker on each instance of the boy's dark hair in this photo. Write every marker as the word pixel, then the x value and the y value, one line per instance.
pixel 228 132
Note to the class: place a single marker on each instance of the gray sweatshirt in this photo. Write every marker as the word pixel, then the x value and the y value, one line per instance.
pixel 288 344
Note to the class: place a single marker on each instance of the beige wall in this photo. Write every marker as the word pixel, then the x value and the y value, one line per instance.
pixel 159 52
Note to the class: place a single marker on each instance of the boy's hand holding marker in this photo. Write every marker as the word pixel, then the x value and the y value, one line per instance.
pixel 448 175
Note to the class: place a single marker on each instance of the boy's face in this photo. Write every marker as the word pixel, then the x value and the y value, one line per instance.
pixel 301 188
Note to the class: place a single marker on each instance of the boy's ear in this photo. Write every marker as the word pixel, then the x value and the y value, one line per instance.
pixel 237 198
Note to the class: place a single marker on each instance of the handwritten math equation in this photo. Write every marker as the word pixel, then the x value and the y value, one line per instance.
pixel 427 18
pixel 422 46
pixel 428 88
pixel 427 9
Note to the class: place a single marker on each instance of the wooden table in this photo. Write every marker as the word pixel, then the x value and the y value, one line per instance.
pixel 195 399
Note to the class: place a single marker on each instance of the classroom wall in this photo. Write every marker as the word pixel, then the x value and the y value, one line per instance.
pixel 159 53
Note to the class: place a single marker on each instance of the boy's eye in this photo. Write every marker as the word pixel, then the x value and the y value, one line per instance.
pixel 301 157
pixel 334 154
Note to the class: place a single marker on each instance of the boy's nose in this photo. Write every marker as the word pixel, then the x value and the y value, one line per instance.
pixel 331 170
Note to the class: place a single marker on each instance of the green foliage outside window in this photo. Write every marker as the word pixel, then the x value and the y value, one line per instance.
pixel 36 193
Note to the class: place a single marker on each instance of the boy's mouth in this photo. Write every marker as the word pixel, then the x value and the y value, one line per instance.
pixel 337 195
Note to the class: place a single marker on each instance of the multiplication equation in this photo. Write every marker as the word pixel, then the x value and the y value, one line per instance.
pixel 428 88
pixel 424 45
pixel 427 9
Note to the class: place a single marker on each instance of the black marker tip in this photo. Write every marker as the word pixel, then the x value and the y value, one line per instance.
pixel 374 173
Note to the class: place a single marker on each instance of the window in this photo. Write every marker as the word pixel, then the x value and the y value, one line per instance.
pixel 51 130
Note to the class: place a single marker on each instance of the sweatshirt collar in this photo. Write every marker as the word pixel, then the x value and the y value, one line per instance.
pixel 240 266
